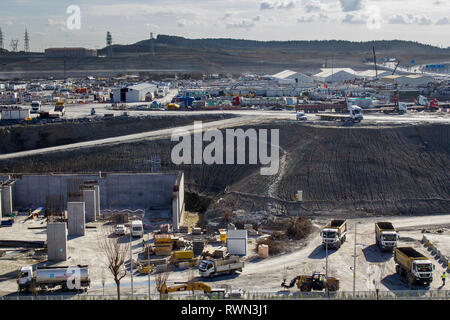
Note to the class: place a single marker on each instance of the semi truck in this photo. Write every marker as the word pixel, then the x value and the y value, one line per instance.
pixel 214 267
pixel 64 277
pixel 334 233
pixel 413 265
pixel 386 236
pixel 355 114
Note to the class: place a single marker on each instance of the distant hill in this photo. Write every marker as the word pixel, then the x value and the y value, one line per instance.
pixel 325 45
pixel 171 54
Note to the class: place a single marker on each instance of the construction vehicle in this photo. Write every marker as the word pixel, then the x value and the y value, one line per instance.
pixel 355 114
pixel 414 266
pixel 35 107
pixel 183 258
pixel 173 106
pixel 191 286
pixel 64 277
pixel 215 267
pixel 137 228
pixel 334 233
pixel 317 281
pixel 425 105
pixel 386 236
pixel 60 107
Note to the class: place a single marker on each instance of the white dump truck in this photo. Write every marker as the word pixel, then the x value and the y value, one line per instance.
pixel 414 266
pixel 214 267
pixel 334 233
pixel 386 236
pixel 66 277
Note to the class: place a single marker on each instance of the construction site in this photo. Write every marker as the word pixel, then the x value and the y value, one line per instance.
pixel 121 179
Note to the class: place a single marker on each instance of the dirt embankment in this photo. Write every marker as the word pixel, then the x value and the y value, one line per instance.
pixel 379 171
pixel 21 138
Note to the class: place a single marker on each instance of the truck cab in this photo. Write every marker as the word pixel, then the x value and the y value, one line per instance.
pixel 330 236
pixel 334 234
pixel 26 277
pixel 137 228
pixel 388 239
pixel 35 106
pixel 206 268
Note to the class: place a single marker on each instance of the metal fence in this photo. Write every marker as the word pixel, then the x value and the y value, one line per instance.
pixel 340 295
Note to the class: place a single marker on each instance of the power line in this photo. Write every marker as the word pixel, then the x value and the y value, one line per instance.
pixel 109 44
pixel 14 44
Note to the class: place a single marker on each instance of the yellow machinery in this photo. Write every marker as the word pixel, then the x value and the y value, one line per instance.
pixel 173 106
pixel 317 281
pixel 193 286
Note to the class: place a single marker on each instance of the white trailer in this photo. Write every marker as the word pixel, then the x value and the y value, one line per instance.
pixel 65 277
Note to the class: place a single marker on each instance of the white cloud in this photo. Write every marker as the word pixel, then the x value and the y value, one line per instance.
pixel 410 19
pixel 312 6
pixel 266 5
pixel 351 5
pixel 443 21
pixel 354 19
pixel 243 24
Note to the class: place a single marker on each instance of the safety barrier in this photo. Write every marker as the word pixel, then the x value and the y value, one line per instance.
pixel 439 256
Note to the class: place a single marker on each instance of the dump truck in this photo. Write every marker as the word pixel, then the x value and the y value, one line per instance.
pixel 317 281
pixel 66 277
pixel 386 236
pixel 334 233
pixel 214 267
pixel 413 265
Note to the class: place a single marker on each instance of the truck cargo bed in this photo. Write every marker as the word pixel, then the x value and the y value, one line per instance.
pixel 410 252
pixel 385 225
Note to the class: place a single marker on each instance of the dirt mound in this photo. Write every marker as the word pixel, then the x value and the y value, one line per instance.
pixel 389 171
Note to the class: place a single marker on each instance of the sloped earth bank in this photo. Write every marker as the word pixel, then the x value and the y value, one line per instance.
pixel 398 170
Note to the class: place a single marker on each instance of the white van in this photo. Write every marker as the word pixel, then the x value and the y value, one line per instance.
pixel 137 228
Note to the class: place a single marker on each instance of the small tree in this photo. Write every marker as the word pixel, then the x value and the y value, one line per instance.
pixel 116 253
pixel 161 279
pixel 191 281
pixel 103 281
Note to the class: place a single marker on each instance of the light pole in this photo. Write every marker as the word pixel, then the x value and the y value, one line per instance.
pixel 148 265
pixel 354 264
pixel 131 263
pixel 326 267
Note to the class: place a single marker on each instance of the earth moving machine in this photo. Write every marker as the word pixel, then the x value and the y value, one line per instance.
pixel 216 267
pixel 64 277
pixel 191 286
pixel 334 234
pixel 317 281
pixel 183 259
pixel 417 268
pixel 386 236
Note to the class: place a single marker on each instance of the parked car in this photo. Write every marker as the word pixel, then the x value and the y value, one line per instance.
pixel 301 116
pixel 120 230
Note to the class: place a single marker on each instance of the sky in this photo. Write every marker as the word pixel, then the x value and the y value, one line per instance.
pixel 84 23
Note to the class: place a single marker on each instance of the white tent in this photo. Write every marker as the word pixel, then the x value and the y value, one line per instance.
pixel 289 76
pixel 335 75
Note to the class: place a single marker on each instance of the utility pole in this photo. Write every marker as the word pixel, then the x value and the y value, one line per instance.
pixel 354 264
pixel 326 267
pixel 148 265
pixel 1 39
pixel 26 42
pixel 131 264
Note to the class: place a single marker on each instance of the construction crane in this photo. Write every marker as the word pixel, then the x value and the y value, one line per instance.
pixel 375 62
pixel 395 69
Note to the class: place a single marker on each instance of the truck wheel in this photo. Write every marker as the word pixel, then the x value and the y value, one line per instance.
pixel 304 288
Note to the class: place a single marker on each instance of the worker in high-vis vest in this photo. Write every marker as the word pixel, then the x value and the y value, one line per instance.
pixel 443 278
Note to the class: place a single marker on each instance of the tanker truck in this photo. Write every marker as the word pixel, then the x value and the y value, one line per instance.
pixel 65 277
pixel 413 265
pixel 334 234
pixel 386 236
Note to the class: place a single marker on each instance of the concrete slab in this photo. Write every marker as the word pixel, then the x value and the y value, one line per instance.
pixel 7 202
pixel 89 205
pixel 76 218
pixel 57 241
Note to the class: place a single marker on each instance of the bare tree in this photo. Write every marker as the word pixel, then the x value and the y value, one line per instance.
pixel 161 279
pixel 116 253
pixel 191 281
pixel 103 281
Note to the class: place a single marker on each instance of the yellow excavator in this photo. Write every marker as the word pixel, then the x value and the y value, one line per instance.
pixel 317 281
pixel 192 286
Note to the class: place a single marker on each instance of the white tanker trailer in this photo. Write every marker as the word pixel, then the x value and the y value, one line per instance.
pixel 65 277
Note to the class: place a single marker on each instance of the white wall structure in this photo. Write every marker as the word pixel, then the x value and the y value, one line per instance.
pixel 237 242
pixel 57 241
pixel 335 75
pixel 135 93
pixel 292 77
pixel 90 204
